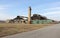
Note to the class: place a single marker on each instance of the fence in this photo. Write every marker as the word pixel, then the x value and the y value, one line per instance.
pixel 41 21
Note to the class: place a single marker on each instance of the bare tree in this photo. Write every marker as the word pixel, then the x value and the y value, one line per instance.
pixel 38 17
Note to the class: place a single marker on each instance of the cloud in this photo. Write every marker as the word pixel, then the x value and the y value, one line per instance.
pixel 5 16
pixel 54 8
pixel 52 13
pixel 4 12
pixel 2 7
pixel 50 10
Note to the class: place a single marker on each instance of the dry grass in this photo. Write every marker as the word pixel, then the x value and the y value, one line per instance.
pixel 9 29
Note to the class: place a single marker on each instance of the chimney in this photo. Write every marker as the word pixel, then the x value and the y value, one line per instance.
pixel 29 15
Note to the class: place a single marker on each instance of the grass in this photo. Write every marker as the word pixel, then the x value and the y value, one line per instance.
pixel 9 28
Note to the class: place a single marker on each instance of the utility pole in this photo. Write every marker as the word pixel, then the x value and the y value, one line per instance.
pixel 29 15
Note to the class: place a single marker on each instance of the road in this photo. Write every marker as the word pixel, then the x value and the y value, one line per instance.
pixel 47 32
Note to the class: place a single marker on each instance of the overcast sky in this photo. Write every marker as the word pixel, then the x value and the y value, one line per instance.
pixel 11 8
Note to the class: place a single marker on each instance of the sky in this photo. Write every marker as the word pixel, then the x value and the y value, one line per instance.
pixel 11 8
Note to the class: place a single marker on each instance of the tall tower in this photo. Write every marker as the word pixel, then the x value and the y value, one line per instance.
pixel 29 15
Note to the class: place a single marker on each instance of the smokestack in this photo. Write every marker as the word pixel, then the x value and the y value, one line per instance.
pixel 29 15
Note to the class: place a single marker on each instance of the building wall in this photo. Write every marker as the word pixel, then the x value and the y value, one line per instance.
pixel 41 21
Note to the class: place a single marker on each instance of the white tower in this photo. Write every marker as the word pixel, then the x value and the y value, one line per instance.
pixel 29 15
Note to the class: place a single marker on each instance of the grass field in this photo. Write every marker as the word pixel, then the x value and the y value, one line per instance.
pixel 9 28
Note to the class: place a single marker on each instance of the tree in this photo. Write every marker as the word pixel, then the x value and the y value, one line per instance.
pixel 38 17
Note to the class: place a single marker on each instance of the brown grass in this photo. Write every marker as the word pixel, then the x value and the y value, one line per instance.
pixel 9 28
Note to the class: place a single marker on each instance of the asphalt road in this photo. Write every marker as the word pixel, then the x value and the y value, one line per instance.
pixel 47 32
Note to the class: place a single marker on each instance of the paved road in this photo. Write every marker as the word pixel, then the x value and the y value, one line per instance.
pixel 47 32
